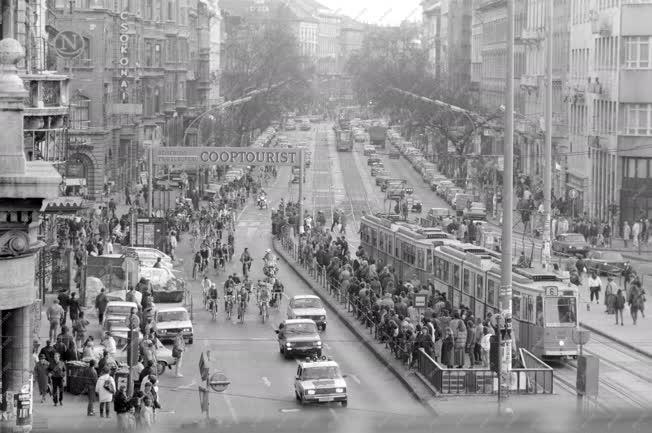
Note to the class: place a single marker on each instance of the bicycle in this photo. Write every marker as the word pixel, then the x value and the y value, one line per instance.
pixel 276 298
pixel 264 310
pixel 228 307
pixel 213 309
pixel 241 310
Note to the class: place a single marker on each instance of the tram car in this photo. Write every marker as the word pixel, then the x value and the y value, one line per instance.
pixel 544 307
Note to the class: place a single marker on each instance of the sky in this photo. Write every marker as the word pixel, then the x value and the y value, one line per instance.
pixel 387 12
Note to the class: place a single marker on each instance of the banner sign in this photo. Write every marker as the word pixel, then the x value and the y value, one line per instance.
pixel 180 155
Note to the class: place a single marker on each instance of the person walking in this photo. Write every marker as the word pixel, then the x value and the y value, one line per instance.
pixel 610 295
pixel 627 232
pixel 105 388
pixel 101 301
pixel 41 375
pixel 64 301
pixel 619 306
pixel 485 343
pixel 91 380
pixel 447 347
pixel 58 377
pixel 177 353
pixel 636 301
pixel 636 233
pixel 122 406
pixel 595 286
pixel 54 314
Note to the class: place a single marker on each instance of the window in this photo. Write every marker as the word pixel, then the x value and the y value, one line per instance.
pixel 479 288
pixel 420 259
pixel 637 168
pixel 539 311
pixel 374 237
pixel 438 267
pixel 637 52
pixel 171 10
pixel 429 260
pixel 389 245
pixel 381 241
pixel 80 108
pixel 516 304
pixel 529 308
pixel 491 292
pixel 149 54
pixel 149 9
pixel 466 283
pixel 561 311
pixel 456 275
pixel 638 119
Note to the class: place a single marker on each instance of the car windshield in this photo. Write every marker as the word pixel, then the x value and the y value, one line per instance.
pixel 315 373
pixel 301 328
pixel 118 310
pixel 610 256
pixel 307 303
pixel 560 311
pixel 574 238
pixel 172 316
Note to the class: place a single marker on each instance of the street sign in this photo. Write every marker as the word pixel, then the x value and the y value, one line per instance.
pixel 197 156
pixel 420 300
pixel 572 194
pixel 69 44
pixel 218 382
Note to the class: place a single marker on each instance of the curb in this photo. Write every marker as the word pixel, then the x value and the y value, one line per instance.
pixel 617 340
pixel 348 323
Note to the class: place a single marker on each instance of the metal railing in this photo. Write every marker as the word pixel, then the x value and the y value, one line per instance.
pixel 535 378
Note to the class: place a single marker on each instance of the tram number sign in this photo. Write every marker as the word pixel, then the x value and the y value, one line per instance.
pixel 69 44
pixel 552 291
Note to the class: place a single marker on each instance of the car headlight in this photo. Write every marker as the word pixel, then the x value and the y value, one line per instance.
pixel 311 392
pixel 288 344
pixel 187 330
pixel 561 342
pixel 572 247
pixel 322 318
pixel 339 390
pixel 163 331
pixel 317 343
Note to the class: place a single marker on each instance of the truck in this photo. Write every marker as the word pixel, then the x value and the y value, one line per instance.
pixel 377 136
pixel 343 140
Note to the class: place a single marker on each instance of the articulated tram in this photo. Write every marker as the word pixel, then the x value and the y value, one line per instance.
pixel 544 307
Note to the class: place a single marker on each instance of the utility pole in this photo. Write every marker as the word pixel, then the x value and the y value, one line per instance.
pixel 505 300
pixel 547 170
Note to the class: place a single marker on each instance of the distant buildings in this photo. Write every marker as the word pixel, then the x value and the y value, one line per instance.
pixel 602 106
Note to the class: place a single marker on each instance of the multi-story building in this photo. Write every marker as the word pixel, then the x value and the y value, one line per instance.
pixel 610 110
pixel 143 69
pixel 455 43
pixel 431 19
pixel 533 90
pixel 350 41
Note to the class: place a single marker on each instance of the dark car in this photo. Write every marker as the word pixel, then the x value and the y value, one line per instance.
pixel 299 337
pixel 606 263
pixel 573 244
pixel 373 160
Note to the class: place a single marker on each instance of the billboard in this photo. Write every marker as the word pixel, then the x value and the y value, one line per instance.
pixel 179 155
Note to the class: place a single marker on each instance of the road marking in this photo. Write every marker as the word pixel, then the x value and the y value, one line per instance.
pixel 234 416
pixel 326 346
pixel 355 378
pixel 243 210
pixel 267 382
pixel 190 385
pixel 332 411
pixel 289 410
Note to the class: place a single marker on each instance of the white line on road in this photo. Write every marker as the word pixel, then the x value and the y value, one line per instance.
pixel 190 385
pixel 267 382
pixel 355 378
pixel 289 410
pixel 234 416
pixel 332 411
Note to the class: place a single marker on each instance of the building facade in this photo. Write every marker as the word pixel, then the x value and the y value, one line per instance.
pixel 455 43
pixel 144 70
pixel 431 19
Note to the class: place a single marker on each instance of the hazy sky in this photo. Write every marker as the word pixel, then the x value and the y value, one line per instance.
pixel 377 11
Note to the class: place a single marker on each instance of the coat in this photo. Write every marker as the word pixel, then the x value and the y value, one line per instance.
pixel 105 395
pixel 459 333
pixel 41 370
pixel 447 351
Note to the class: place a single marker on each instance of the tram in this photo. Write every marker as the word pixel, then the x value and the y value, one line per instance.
pixel 544 306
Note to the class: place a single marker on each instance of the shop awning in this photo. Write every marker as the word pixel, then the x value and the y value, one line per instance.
pixel 65 205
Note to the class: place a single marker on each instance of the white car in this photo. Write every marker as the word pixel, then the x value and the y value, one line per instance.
pixel 172 320
pixel 320 381
pixel 307 307
pixel 164 356
pixel 116 314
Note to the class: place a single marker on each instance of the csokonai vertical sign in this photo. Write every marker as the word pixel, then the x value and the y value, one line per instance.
pixel 124 57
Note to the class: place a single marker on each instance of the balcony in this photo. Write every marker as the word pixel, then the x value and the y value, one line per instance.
pixel 532 36
pixel 47 94
pixel 182 105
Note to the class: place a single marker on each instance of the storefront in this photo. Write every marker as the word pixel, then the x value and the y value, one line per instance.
pixel 636 189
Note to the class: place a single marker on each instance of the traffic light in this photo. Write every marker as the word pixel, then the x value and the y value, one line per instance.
pixel 494 354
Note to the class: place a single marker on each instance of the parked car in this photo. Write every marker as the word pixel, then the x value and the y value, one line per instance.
pixel 477 211
pixel 606 262
pixel 373 160
pixel 573 244
pixel 305 126
pixel 394 153
pixel 368 150
pixel 116 314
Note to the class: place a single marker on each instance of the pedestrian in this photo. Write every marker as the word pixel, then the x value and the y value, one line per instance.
pixel 447 347
pixel 595 286
pixel 146 414
pixel 41 375
pixel 79 327
pixel 459 334
pixel 636 301
pixel 620 306
pixel 112 207
pixel 109 343
pixel 57 372
pixel 105 388
pixel 137 368
pixel 178 352
pixel 91 380
pixel 610 295
pixel 627 233
pixel 74 307
pixel 64 301
pixel 54 314
pixel 173 244
pixel 48 351
pixel 122 406
pixel 101 301
pixel 485 343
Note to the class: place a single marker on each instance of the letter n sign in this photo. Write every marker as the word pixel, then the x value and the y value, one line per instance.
pixel 69 44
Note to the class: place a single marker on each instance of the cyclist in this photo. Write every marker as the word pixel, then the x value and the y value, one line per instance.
pixel 229 291
pixel 236 279
pixel 246 260
pixel 277 292
pixel 241 298
pixel 205 286
pixel 212 298
pixel 264 296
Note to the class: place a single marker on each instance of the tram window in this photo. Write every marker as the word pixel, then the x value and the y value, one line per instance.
pixel 491 292
pixel 456 274
pixel 373 237
pixel 420 259
pixel 516 304
pixel 466 283
pixel 438 266
pixel 381 242
pixel 539 307
pixel 445 270
pixel 429 260
pixel 560 310
pixel 364 234
pixel 397 249
pixel 479 288
pixel 389 244
pixel 529 308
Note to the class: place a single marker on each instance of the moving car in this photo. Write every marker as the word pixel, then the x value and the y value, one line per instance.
pixel 116 314
pixel 573 244
pixel 394 153
pixel 477 211
pixel 172 320
pixel 304 126
pixel 307 307
pixel 606 263
pixel 373 160
pixel 290 125
pixel 320 381
pixel 298 337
